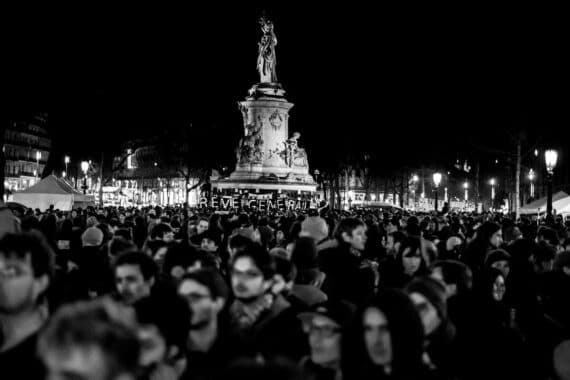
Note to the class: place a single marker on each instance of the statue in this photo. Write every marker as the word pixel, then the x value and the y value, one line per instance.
pixel 250 146
pixel 266 58
pixel 292 154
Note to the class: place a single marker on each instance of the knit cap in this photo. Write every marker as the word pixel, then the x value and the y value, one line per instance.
pixel 433 291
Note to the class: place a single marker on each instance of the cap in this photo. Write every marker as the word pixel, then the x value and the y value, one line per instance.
pixel 340 312
pixel 92 236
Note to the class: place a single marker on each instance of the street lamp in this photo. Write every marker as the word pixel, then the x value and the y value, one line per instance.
pixel 66 160
pixel 84 168
pixel 492 183
pixel 436 181
pixel 466 187
pixel 350 196
pixel 531 179
pixel 551 158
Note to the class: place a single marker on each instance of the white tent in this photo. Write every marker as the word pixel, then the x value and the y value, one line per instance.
pixel 52 191
pixel 560 204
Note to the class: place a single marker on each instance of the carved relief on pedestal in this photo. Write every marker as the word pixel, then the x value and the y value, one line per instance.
pixel 276 120
pixel 250 146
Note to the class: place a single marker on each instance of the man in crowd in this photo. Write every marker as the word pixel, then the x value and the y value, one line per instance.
pixel 135 275
pixel 26 266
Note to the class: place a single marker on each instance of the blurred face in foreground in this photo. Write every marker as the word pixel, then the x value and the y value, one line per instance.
pixel 377 336
pixel 324 340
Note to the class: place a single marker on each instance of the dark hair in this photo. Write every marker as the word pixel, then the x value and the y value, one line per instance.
pixel 147 266
pixel 99 323
pixel 304 254
pixel 124 232
pixel 211 279
pixel 120 245
pixel 159 230
pixel 455 272
pixel 406 331
pixel 260 257
pixel 32 244
pixel 347 225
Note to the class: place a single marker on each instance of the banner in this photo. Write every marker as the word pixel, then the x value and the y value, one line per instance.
pixel 231 202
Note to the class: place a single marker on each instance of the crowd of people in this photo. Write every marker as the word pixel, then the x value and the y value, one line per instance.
pixel 179 293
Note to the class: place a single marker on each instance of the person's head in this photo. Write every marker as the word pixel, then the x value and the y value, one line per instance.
pixel 162 231
pixel 499 259
pixel 456 276
pixel 394 241
pixel 92 237
pixel 543 257
pixel 314 227
pixel 95 340
pixel 325 324
pixel 252 273
pixel 561 360
pixel 206 294
pixel 492 285
pixel 211 241
pixel 547 234
pixel 238 243
pixel 388 333
pixel 119 245
pixel 135 274
pixel 490 233
pixel 202 226
pixel 428 295
pixel 26 267
pixel 351 231
pixel 410 254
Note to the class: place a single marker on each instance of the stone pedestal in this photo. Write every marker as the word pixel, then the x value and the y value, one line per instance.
pixel 267 156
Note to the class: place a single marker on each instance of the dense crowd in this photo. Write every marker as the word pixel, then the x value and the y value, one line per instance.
pixel 179 293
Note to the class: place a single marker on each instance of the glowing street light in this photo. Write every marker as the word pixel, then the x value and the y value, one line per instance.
pixel 84 168
pixel 415 178
pixel 466 187
pixel 436 181
pixel 551 158
pixel 492 182
pixel 531 177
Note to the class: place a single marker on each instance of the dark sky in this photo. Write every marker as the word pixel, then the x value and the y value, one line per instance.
pixel 417 85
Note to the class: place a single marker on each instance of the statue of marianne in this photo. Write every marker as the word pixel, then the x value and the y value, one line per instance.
pixel 266 59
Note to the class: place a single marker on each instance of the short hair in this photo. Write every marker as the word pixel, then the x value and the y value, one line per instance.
pixel 347 225
pixel 100 323
pixel 455 272
pixel 120 245
pixel 159 230
pixel 32 244
pixel 212 235
pixel 260 257
pixel 147 266
pixel 211 279
pixel 239 242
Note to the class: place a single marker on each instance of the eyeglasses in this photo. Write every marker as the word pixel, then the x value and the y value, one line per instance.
pixel 325 331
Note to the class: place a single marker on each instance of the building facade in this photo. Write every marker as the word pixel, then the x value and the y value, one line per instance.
pixel 27 147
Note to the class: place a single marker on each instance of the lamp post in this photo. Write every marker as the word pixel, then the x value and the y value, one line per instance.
pixel 66 160
pixel 492 182
pixel 350 196
pixel 551 158
pixel 531 179
pixel 466 187
pixel 84 168
pixel 38 157
pixel 436 181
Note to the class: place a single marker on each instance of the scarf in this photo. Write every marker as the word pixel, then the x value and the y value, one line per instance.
pixel 244 315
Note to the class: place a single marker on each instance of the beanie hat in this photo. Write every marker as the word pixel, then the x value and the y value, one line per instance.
pixel 497 255
pixel 315 227
pixel 92 236
pixel 431 289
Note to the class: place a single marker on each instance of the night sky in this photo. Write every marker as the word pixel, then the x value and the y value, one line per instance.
pixel 415 86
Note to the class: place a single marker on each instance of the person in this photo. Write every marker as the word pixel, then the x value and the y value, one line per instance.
pixel 488 237
pixel 346 278
pixel 91 340
pixel 499 259
pixel 263 322
pixel 325 324
pixel 409 263
pixel 386 340
pixel 208 346
pixel 428 295
pixel 135 275
pixel 26 268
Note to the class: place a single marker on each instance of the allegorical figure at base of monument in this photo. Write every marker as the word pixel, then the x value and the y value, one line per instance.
pixel 266 59
pixel 293 155
pixel 249 149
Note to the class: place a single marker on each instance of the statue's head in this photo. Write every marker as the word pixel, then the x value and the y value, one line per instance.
pixel 296 135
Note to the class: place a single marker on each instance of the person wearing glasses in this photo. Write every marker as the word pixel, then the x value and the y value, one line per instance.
pixel 325 324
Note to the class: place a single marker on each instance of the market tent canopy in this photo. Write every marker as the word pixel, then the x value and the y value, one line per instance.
pixel 52 191
pixel 560 202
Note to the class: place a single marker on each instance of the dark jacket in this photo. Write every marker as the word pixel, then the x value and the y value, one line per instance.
pixel 346 275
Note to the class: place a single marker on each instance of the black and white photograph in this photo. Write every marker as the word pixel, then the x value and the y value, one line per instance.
pixel 284 191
